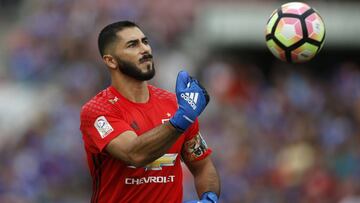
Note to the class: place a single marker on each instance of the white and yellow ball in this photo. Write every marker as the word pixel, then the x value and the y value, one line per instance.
pixel 295 32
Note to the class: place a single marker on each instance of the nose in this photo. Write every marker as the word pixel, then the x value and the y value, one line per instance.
pixel 145 48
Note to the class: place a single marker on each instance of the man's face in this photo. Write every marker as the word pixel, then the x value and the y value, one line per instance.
pixel 133 54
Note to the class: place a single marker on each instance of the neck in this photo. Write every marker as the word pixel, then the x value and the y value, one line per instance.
pixel 133 90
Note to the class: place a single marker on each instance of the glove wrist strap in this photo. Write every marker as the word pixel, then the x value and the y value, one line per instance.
pixel 210 196
pixel 175 126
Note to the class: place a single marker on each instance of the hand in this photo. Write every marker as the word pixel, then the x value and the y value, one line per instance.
pixel 192 99
pixel 207 197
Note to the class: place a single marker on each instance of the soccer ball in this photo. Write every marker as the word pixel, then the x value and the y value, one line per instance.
pixel 295 32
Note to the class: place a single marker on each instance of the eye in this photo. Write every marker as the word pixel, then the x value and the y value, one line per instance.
pixel 131 45
pixel 145 41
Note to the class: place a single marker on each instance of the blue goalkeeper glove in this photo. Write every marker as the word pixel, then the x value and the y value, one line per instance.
pixel 207 197
pixel 192 99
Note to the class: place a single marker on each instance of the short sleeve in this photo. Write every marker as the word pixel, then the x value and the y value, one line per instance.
pixel 101 130
pixel 192 130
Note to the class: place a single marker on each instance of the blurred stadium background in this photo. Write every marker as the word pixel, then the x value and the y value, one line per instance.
pixel 280 132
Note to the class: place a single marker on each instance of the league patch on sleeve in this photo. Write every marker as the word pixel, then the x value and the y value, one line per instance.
pixel 195 147
pixel 103 126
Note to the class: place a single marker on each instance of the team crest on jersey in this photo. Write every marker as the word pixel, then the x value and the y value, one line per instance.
pixel 164 120
pixel 103 126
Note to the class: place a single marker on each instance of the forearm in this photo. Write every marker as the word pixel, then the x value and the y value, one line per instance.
pixel 206 179
pixel 147 147
pixel 154 143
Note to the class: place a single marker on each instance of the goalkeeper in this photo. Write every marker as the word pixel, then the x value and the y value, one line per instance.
pixel 135 134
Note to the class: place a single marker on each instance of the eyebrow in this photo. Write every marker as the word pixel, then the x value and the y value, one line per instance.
pixel 135 40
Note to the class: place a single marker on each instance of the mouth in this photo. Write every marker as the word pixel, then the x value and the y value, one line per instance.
pixel 146 58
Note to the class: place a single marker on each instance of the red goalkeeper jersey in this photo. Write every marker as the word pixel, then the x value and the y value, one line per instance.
pixel 109 114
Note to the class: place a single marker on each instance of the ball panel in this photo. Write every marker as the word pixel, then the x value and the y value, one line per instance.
pixel 304 53
pixel 315 27
pixel 297 8
pixel 276 50
pixel 271 22
pixel 289 31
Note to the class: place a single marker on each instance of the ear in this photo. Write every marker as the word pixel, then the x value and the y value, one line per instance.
pixel 110 61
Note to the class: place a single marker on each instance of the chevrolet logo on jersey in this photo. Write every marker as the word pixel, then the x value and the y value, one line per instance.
pixel 165 160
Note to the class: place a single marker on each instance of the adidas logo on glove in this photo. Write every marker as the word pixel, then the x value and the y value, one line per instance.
pixel 191 98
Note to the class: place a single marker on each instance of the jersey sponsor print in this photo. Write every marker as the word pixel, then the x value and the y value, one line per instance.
pixel 107 116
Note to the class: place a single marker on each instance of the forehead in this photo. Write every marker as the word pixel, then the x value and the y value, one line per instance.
pixel 132 33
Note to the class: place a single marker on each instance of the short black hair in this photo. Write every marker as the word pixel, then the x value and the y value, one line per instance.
pixel 108 34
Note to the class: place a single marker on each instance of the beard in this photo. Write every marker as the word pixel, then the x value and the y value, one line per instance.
pixel 133 71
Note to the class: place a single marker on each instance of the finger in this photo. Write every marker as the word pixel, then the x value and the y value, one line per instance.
pixel 183 80
pixel 206 94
